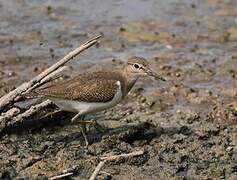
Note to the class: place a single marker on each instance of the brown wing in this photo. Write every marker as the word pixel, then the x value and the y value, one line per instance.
pixel 92 90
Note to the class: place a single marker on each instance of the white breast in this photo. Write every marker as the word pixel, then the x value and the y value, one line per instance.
pixel 88 107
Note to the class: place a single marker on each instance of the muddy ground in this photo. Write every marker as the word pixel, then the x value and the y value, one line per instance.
pixel 188 129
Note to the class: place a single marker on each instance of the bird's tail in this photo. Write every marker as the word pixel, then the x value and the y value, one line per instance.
pixel 29 99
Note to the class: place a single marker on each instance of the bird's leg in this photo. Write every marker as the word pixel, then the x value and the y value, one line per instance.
pixel 83 131
pixel 83 127
pixel 77 116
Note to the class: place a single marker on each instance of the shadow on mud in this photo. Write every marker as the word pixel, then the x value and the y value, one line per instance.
pixel 127 133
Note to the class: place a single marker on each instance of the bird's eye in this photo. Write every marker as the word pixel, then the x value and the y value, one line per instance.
pixel 136 66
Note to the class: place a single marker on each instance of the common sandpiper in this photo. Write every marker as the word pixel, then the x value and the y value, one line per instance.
pixel 96 91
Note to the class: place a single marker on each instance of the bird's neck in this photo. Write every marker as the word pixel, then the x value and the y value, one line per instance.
pixel 129 81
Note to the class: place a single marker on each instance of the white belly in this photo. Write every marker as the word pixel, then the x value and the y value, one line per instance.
pixel 87 107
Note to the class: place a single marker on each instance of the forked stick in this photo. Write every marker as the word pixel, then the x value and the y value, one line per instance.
pixel 10 97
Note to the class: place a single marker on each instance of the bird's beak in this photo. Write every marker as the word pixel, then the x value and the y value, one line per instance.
pixel 153 74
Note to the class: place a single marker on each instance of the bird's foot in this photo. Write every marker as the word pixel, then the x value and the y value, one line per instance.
pixel 98 127
pixel 95 124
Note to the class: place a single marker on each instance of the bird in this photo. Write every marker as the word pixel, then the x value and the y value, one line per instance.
pixel 95 91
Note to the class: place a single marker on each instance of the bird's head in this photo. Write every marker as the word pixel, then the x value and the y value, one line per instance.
pixel 138 66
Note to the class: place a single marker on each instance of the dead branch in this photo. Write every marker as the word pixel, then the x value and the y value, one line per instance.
pixel 10 97
pixel 113 158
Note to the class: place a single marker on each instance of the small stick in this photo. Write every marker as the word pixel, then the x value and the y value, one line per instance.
pixel 61 176
pixel 97 169
pixel 10 97
pixel 113 158
pixel 123 156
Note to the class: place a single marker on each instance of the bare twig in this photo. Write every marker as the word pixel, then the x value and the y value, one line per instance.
pixel 97 169
pixel 113 158
pixel 10 97
pixel 61 176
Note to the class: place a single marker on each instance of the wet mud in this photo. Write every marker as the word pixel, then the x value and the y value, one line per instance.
pixel 187 125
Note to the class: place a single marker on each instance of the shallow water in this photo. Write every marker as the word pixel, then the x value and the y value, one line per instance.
pixel 35 33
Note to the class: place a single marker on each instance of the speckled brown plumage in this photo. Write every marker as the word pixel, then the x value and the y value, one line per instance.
pixel 99 86
pixel 88 87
